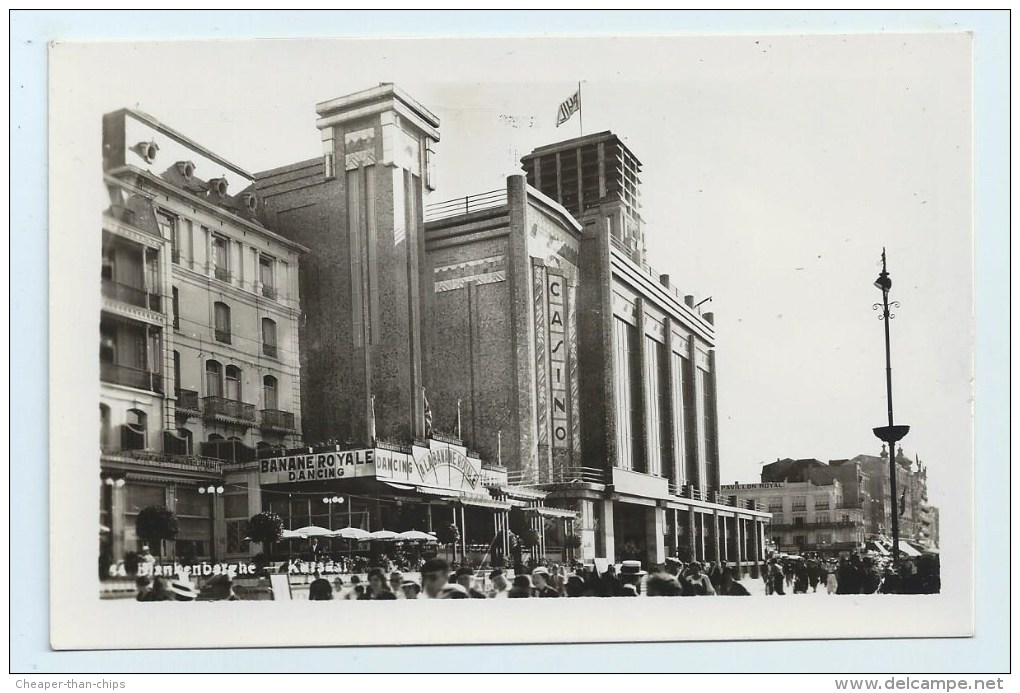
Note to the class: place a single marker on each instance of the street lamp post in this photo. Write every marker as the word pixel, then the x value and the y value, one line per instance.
pixel 892 433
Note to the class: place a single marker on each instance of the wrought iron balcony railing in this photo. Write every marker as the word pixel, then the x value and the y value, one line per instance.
pixel 229 410
pixel 222 336
pixel 269 291
pixel 276 420
pixel 222 274
pixel 132 295
pixel 187 401
pixel 130 376
pixel 269 350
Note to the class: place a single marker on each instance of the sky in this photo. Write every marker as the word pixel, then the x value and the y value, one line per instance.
pixel 775 169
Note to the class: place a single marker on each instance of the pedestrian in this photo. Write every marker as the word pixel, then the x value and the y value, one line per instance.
pixel 800 579
pixel 338 587
pixel 183 590
pixel 378 589
pixel 728 587
pixel 540 578
pixel 396 584
pixel 434 576
pixel 411 589
pixel 144 589
pixel 574 586
pixel 662 585
pixel 830 579
pixel 320 590
pixel 499 585
pixel 674 567
pixel 465 577
pixel 454 590
pixel 696 583
pixel 630 574
pixel 777 577
pixel 521 587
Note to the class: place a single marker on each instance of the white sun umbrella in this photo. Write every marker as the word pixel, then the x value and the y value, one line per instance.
pixel 382 535
pixel 309 531
pixel 349 533
pixel 415 535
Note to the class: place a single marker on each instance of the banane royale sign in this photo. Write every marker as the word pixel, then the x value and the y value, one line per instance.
pixel 319 466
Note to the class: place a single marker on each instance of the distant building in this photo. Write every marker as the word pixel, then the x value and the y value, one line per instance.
pixel 807 516
pixel 866 484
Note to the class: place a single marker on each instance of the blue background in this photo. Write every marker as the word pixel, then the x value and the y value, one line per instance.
pixel 30 653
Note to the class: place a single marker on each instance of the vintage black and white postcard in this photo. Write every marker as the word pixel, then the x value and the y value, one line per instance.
pixel 638 323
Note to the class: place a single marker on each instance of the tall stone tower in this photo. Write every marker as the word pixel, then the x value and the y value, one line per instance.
pixel 595 177
pixel 358 209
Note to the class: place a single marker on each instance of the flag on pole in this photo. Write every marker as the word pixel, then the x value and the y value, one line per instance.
pixel 568 108
pixel 428 414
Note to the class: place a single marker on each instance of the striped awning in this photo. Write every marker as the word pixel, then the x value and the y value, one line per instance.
pixel 485 502
pixel 552 512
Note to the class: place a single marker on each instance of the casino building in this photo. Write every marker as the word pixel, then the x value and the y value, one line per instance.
pixel 498 366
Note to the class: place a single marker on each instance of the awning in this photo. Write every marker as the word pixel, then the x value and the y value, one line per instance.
pixel 399 487
pixel 442 492
pixel 908 550
pixel 485 503
pixel 552 512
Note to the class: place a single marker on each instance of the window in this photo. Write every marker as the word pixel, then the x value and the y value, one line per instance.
pixel 168 228
pixel 269 337
pixel 652 419
pixel 627 381
pixel 177 372
pixel 189 438
pixel 690 422
pixel 220 258
pixel 136 430
pixel 107 343
pixel 213 437
pixel 270 399
pixel 222 311
pixel 109 255
pixel 213 379
pixel 822 518
pixel 233 390
pixel 104 427
pixel 680 467
pixel 775 505
pixel 823 538
pixel 177 308
pixel 266 276
pixel 800 502
pixel 798 521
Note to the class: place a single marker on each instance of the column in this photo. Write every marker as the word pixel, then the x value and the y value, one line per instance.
pixel 755 549
pixel 692 535
pixel 655 526
pixel 116 523
pixel 463 536
pixel 716 552
pixel 740 548
pixel 675 550
pixel 701 537
pixel 586 510
pixel 607 529
pixel 219 529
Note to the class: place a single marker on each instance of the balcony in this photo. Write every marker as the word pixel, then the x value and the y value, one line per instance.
pixel 269 350
pixel 130 376
pixel 269 291
pixel 222 336
pixel 563 475
pixel 132 295
pixel 187 402
pixel 799 507
pixel 222 274
pixel 232 451
pixel 817 525
pixel 228 411
pixel 276 420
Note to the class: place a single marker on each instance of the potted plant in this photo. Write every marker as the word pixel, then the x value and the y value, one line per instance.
pixel 156 523
pixel 265 528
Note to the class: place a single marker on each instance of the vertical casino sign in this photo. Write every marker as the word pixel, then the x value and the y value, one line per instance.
pixel 558 350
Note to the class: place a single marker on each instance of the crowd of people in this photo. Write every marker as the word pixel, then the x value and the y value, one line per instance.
pixel 853 574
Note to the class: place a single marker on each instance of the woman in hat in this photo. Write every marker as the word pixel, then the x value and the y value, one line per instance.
pixel 630 579
pixel 696 583
pixel 521 587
